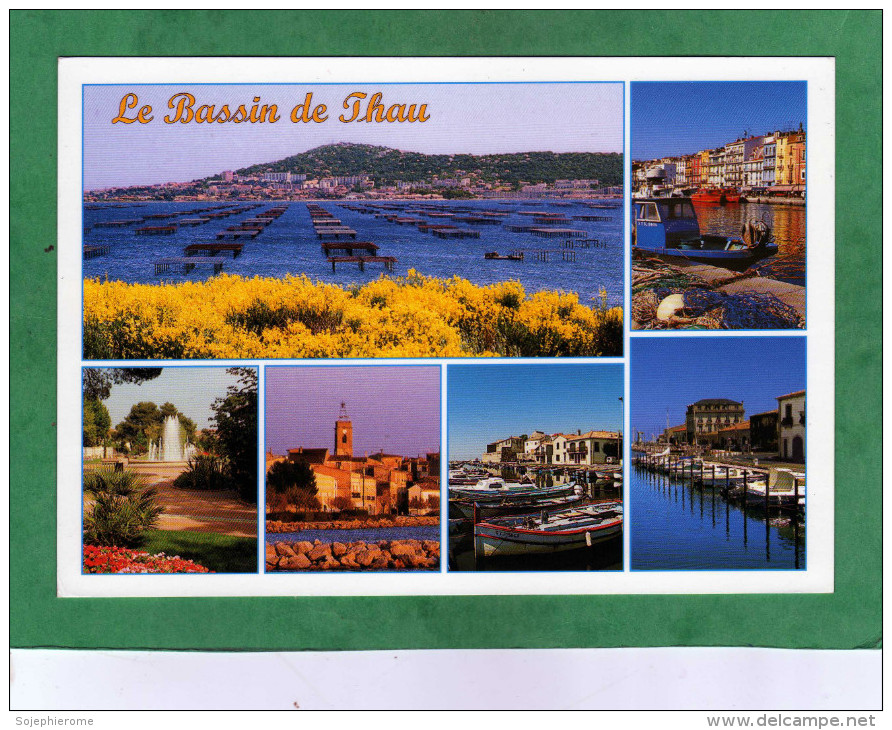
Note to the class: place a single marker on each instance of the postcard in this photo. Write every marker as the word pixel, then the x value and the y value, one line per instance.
pixel 349 327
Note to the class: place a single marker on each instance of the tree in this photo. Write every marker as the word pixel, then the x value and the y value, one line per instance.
pixel 236 420
pixel 284 475
pixel 97 423
pixel 98 382
pixel 142 424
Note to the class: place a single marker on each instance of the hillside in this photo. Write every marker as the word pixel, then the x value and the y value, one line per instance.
pixel 386 164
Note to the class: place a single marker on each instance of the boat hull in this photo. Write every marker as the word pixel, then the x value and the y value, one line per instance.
pixel 493 541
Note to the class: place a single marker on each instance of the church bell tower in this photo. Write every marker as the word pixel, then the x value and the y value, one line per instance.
pixel 343 434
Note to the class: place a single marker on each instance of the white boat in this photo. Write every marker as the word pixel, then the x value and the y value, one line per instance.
pixel 549 532
pixel 495 489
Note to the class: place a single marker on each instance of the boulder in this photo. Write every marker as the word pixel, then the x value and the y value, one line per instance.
pixel 271 563
pixel 402 549
pixel 284 549
pixel 302 547
pixel 298 562
pixel 364 558
pixel 430 546
pixel 319 553
pixel 380 563
pixel 338 549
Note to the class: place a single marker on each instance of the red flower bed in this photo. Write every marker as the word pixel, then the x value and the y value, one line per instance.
pixel 124 560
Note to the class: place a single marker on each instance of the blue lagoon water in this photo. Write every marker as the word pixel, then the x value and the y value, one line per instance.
pixel 289 245
pixel 677 527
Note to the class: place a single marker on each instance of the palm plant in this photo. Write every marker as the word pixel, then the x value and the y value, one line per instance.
pixel 124 508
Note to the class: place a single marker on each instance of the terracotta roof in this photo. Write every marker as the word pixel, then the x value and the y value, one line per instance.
pixel 717 402
pixel 310 456
pixel 594 435
pixel 742 426
pixel 791 395
pixel 676 429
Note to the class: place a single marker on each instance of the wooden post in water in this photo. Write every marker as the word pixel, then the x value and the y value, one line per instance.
pixel 744 489
pixel 795 498
pixel 727 477
pixel 712 481
pixel 766 498
pixel 701 473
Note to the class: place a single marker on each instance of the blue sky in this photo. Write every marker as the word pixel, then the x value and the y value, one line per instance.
pixel 191 390
pixel 676 118
pixel 393 408
pixel 464 118
pixel 672 373
pixel 491 402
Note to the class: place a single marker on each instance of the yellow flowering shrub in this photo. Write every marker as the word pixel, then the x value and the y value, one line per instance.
pixel 292 317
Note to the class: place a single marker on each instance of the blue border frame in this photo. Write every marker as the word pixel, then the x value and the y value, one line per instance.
pixel 181 367
pixel 305 364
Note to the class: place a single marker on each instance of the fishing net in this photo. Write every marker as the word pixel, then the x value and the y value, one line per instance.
pixel 749 310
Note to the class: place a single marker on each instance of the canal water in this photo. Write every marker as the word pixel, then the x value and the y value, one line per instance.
pixel 677 527
pixel 787 224
pixel 289 246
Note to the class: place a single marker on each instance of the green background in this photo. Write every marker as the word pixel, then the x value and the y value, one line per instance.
pixel 848 618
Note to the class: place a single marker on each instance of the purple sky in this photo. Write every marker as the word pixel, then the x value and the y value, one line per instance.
pixel 464 118
pixel 394 408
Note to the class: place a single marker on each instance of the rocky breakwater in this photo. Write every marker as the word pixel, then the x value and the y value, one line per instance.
pixel 401 521
pixel 361 555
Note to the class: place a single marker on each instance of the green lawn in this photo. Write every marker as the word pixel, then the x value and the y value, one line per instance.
pixel 220 553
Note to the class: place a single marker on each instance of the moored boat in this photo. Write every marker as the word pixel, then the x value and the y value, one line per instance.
pixel 549 532
pixel 668 227
pixel 512 505
pixel 495 489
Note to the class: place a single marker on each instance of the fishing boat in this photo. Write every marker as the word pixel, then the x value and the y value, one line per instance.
pixel 495 489
pixel 549 532
pixel 709 196
pixel 494 256
pixel 512 505
pixel 668 227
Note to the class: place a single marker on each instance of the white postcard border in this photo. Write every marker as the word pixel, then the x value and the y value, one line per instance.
pixel 819 73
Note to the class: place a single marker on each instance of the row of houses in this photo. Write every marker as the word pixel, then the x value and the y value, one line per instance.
pixel 720 423
pixel 775 162
pixel 592 447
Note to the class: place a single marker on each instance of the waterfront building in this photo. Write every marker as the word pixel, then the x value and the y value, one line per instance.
pixel 681 171
pixel 791 436
pixel 790 162
pixel 531 444
pixel 734 156
pixel 752 168
pixel 769 157
pixel 736 437
pixel 503 450
pixel 676 435
pixel 716 176
pixel 763 431
pixel 694 171
pixel 593 447
pixel 707 417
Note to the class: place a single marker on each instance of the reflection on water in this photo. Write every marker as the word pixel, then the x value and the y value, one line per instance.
pixel 677 527
pixel 787 224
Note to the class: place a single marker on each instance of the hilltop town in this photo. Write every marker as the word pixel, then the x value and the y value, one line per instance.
pixel 378 484
pixel 347 171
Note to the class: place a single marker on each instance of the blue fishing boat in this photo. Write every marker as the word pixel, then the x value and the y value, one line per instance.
pixel 668 227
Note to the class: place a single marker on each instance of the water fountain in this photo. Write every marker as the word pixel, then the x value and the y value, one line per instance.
pixel 171 448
